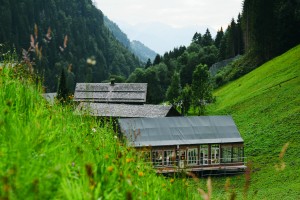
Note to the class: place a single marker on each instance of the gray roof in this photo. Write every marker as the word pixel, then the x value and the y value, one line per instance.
pixel 125 110
pixel 50 97
pixel 108 93
pixel 180 130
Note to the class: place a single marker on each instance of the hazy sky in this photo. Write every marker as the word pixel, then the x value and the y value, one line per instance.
pixel 177 13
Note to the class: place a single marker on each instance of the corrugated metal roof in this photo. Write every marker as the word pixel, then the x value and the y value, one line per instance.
pixel 180 130
pixel 124 110
pixel 111 93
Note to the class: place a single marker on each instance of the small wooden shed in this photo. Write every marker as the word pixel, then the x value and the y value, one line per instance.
pixel 198 144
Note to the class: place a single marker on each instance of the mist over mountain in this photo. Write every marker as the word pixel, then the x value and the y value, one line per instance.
pixel 136 47
pixel 143 52
pixel 162 37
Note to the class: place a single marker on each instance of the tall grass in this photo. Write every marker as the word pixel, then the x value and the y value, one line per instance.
pixel 48 152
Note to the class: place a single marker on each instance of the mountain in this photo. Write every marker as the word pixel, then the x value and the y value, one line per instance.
pixel 265 106
pixel 161 37
pixel 138 48
pixel 64 35
pixel 143 52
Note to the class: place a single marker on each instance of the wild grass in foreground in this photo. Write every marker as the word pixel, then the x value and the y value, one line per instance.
pixel 48 152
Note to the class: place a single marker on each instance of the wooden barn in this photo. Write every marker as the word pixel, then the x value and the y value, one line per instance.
pixel 172 144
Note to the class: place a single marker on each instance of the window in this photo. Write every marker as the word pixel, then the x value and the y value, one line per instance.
pixel 241 154
pixel 204 154
pixel 169 157
pixel 237 154
pixel 157 157
pixel 215 154
pixel 226 154
pixel 193 156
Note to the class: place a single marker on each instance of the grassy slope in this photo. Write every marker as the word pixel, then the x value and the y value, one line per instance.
pixel 47 152
pixel 265 105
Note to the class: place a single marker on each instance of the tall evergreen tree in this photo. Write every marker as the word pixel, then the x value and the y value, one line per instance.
pixel 157 59
pixel 148 64
pixel 219 37
pixel 239 36
pixel 197 38
pixel 207 39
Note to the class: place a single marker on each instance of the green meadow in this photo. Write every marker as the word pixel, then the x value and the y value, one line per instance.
pixel 265 105
pixel 48 152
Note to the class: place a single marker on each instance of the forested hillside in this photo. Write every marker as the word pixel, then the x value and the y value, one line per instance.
pixel 63 35
pixel 262 31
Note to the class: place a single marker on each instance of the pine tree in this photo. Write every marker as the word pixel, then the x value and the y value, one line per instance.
pixel 207 39
pixel 197 38
pixel 219 37
pixel 239 36
pixel 157 60
pixel 148 64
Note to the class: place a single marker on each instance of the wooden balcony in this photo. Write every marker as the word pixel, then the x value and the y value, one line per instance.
pixel 196 166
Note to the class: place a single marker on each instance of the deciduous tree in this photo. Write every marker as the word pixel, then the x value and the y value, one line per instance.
pixel 201 88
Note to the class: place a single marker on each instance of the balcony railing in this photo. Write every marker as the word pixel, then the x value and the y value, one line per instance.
pixel 199 163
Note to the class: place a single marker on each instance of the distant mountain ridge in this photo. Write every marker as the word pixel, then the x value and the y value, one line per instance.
pixel 162 37
pixel 144 53
pixel 136 47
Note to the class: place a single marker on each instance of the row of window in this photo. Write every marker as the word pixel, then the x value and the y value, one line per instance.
pixel 196 156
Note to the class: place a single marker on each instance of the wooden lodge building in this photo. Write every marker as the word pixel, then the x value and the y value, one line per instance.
pixel 198 144
pixel 170 142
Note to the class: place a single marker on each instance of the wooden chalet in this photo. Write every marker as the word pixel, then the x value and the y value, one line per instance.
pixel 129 93
pixel 172 144
pixel 127 110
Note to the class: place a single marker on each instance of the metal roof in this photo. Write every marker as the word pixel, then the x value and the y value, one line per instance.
pixel 126 110
pixel 50 97
pixel 180 130
pixel 111 93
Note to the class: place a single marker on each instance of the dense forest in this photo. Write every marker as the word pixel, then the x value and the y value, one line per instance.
pixel 72 36
pixel 57 35
pixel 262 31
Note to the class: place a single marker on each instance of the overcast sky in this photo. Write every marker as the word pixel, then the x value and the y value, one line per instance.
pixel 176 13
